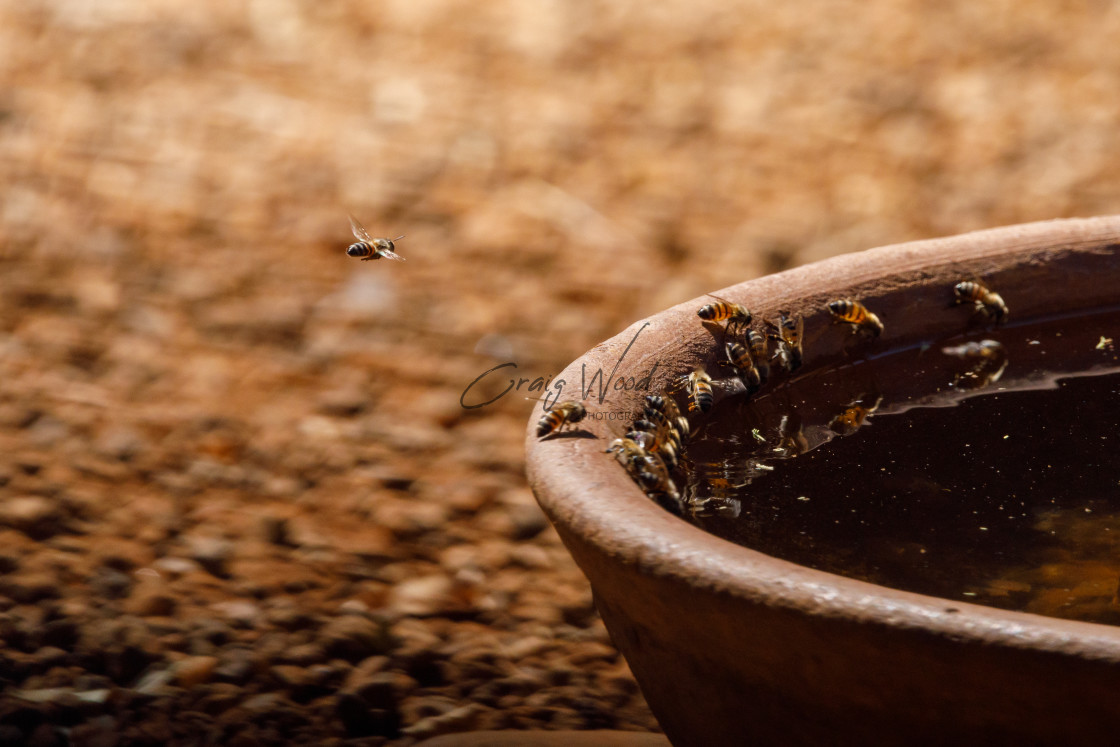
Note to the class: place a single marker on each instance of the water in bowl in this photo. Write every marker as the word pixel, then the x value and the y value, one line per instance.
pixel 993 480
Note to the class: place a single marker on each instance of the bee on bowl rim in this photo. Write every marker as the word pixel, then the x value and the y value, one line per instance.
pixel 987 302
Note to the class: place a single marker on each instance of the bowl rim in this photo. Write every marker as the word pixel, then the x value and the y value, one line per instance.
pixel 593 502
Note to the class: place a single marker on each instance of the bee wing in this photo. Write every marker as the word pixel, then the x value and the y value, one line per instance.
pixel 359 230
pixel 720 298
pixel 390 254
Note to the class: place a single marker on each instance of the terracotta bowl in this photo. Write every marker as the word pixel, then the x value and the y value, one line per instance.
pixel 731 646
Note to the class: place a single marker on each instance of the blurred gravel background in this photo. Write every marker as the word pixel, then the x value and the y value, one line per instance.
pixel 239 500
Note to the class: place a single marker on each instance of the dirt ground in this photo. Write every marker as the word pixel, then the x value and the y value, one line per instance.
pixel 240 500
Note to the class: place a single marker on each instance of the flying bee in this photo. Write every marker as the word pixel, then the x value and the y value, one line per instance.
pixel 788 333
pixel 735 314
pixel 560 415
pixel 760 351
pixel 988 303
pixel 740 359
pixel 369 248
pixel 853 416
pixel 700 395
pixel 857 315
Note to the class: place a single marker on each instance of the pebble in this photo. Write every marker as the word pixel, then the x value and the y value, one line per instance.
pixel 34 515
pixel 212 553
pixel 290 617
pixel 304 655
pixel 354 637
pixel 239 612
pixel 150 599
pixel 378 690
pixel 175 566
pixel 419 597
pixel 194 670
pixel 360 720
pixel 235 666
pixel 30 588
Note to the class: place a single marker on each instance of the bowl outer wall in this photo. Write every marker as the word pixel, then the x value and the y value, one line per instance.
pixel 732 646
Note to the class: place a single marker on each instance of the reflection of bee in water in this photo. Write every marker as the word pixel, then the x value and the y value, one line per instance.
pixel 560 415
pixel 736 315
pixel 988 303
pixel 648 470
pixel 791 437
pixel 740 359
pixel 714 494
pixel 787 333
pixel 990 361
pixel 370 248
pixel 983 350
pixel 857 315
pixel 700 395
pixel 852 418
pixel 712 506
pixel 760 351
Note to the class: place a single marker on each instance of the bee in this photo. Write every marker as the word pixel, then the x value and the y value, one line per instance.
pixel 665 405
pixel 856 314
pixel 649 471
pixel 735 314
pixel 700 395
pixel 560 415
pixel 988 302
pixel 853 416
pixel 663 429
pixel 647 439
pixel 740 359
pixel 656 438
pixel 627 449
pixel 760 351
pixel 787 333
pixel 663 409
pixel 369 248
